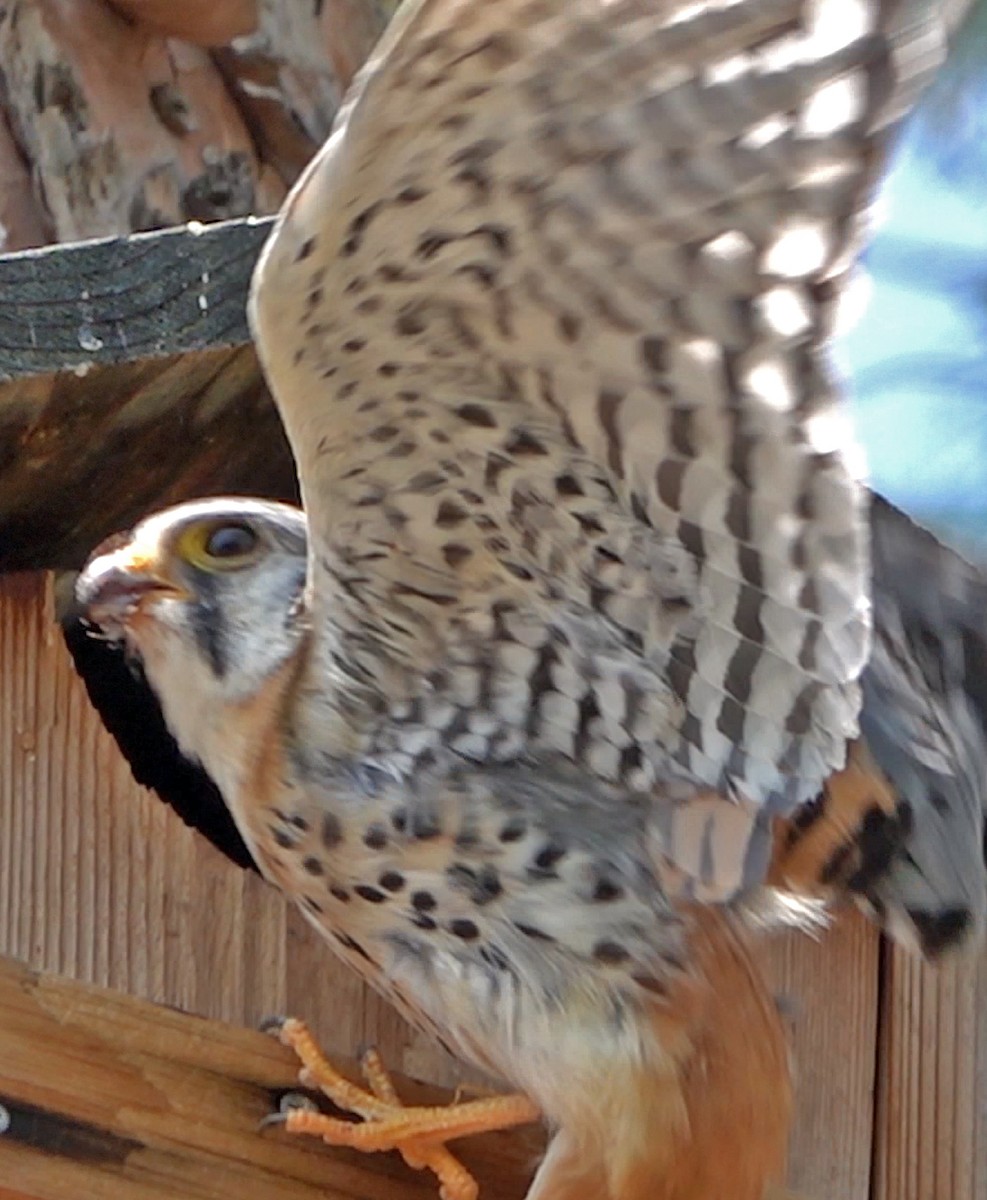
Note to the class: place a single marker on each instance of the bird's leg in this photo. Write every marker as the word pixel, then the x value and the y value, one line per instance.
pixel 454 1179
pixel 419 1133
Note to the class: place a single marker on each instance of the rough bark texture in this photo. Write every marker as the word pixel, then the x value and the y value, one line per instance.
pixel 202 23
pixel 132 115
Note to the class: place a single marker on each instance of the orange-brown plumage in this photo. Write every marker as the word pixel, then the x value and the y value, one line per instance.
pixel 716 1123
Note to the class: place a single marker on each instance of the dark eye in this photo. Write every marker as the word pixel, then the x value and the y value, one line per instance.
pixel 230 541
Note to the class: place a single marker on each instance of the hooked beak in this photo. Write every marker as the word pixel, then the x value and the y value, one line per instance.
pixel 114 584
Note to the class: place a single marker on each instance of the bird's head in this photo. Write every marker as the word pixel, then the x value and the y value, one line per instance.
pixel 208 595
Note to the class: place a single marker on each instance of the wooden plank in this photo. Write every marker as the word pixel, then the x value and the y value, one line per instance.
pixel 119 300
pixel 831 986
pixel 82 457
pixel 98 880
pixel 110 1098
pixel 931 1136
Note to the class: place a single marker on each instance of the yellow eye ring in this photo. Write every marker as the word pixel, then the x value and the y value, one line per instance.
pixel 223 545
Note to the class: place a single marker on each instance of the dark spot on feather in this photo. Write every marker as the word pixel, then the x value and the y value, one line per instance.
pixel 462 928
pixel 383 433
pixel 532 931
pixel 589 523
pixel 669 478
pixel 682 433
pixel 799 720
pixel 730 721
pixel 608 405
pixel 358 227
pixel 455 554
pixel 610 953
pixel 631 759
pixel 518 571
pixel 880 840
pixel 476 414
pixel 738 515
pixel 375 837
pixel 498 238
pixel 569 327
pixel 449 515
pixel 654 354
pixel 409 324
pixel 425 826
pixel 750 566
pixel 606 889
pixel 481 884
pixel 522 444
pixel 549 855
pixel 332 831
pixel 747 614
pixel 650 984
pixel 513 831
pixel 805 817
pixel 410 195
pixel 495 958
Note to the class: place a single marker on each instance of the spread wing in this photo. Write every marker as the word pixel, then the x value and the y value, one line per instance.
pixel 547 322
pixel 925 721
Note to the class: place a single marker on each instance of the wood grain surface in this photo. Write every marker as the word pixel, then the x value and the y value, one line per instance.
pixel 104 1097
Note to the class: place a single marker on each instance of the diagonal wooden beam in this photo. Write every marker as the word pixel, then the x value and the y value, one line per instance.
pixel 112 1098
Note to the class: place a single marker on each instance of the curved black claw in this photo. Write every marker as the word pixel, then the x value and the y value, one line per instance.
pixel 288 1102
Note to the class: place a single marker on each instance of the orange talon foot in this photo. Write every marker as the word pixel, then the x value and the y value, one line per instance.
pixel 419 1134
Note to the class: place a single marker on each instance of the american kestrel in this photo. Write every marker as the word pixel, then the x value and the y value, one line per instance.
pixel 579 605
